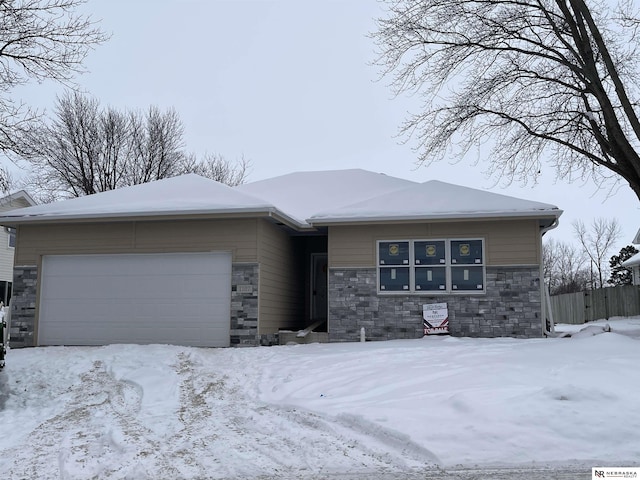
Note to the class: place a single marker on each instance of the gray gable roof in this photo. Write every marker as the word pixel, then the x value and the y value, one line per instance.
pixel 19 199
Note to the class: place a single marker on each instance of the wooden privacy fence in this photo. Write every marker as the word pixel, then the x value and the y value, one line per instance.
pixel 593 305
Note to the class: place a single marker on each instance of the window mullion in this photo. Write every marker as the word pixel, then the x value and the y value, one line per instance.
pixel 447 252
pixel 412 267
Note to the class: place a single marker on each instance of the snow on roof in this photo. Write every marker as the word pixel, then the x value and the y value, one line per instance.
pixel 303 194
pixel 184 194
pixel 632 262
pixel 432 200
pixel 300 199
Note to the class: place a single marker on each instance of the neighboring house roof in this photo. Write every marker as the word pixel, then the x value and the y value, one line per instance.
pixel 301 200
pixel 436 200
pixel 19 199
pixel 632 262
pixel 635 259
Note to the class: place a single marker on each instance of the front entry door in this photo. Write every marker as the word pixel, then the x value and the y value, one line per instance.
pixel 319 286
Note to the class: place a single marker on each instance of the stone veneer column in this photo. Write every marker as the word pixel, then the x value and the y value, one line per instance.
pixel 23 306
pixel 511 307
pixel 244 305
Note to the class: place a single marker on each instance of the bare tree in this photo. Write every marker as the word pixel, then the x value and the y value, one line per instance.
pixel 86 149
pixel 77 153
pixel 217 168
pixel 114 132
pixel 535 79
pixel 39 40
pixel 156 146
pixel 7 181
pixel 564 267
pixel 596 243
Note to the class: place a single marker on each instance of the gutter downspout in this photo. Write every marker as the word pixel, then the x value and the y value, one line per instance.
pixel 543 285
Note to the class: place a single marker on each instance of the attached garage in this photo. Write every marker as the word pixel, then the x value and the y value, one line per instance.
pixel 175 298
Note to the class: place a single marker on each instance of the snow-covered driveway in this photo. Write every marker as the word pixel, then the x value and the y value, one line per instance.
pixel 404 409
pixel 162 412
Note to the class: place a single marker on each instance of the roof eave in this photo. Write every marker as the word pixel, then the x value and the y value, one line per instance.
pixel 326 221
pixel 11 220
pixel 632 261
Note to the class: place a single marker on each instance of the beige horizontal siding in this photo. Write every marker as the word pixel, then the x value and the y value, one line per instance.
pixel 6 252
pixel 514 243
pixel 508 242
pixel 236 236
pixel 281 286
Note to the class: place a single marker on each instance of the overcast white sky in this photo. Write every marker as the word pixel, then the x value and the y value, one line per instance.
pixel 289 85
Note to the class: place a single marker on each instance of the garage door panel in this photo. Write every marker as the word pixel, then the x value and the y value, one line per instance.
pixel 91 308
pixel 142 287
pixel 135 264
pixel 156 298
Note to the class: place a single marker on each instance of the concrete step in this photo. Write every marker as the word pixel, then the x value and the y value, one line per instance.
pixel 289 338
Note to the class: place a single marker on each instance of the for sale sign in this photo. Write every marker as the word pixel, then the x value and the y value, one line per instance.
pixel 435 318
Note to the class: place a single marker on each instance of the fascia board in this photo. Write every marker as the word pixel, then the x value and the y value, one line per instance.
pixel 17 219
pixel 325 221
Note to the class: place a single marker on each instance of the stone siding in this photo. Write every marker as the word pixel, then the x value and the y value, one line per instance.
pixel 511 307
pixel 244 305
pixel 23 307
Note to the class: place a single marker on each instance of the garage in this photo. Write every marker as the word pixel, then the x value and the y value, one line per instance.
pixel 170 298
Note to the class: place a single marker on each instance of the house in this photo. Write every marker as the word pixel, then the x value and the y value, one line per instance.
pixel 15 200
pixel 190 261
pixel 633 263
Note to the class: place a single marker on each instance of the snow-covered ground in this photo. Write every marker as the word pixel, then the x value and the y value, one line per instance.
pixel 317 411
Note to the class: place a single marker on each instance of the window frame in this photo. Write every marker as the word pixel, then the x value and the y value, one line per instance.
pixel 382 266
pixel 11 233
pixel 448 266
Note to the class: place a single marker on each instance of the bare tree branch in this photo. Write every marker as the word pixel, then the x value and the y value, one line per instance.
pixel 596 243
pixel 564 268
pixel 217 168
pixel 536 79
pixel 86 149
pixel 39 40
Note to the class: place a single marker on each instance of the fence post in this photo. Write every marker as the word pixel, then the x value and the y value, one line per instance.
pixel 3 337
pixel 587 305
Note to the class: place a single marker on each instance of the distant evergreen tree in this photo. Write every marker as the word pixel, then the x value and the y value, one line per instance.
pixel 619 274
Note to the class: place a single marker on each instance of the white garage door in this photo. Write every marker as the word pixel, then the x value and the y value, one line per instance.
pixel 180 299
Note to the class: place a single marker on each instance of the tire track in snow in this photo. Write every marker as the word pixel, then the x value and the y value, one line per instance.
pixel 219 430
pixel 231 435
pixel 92 436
